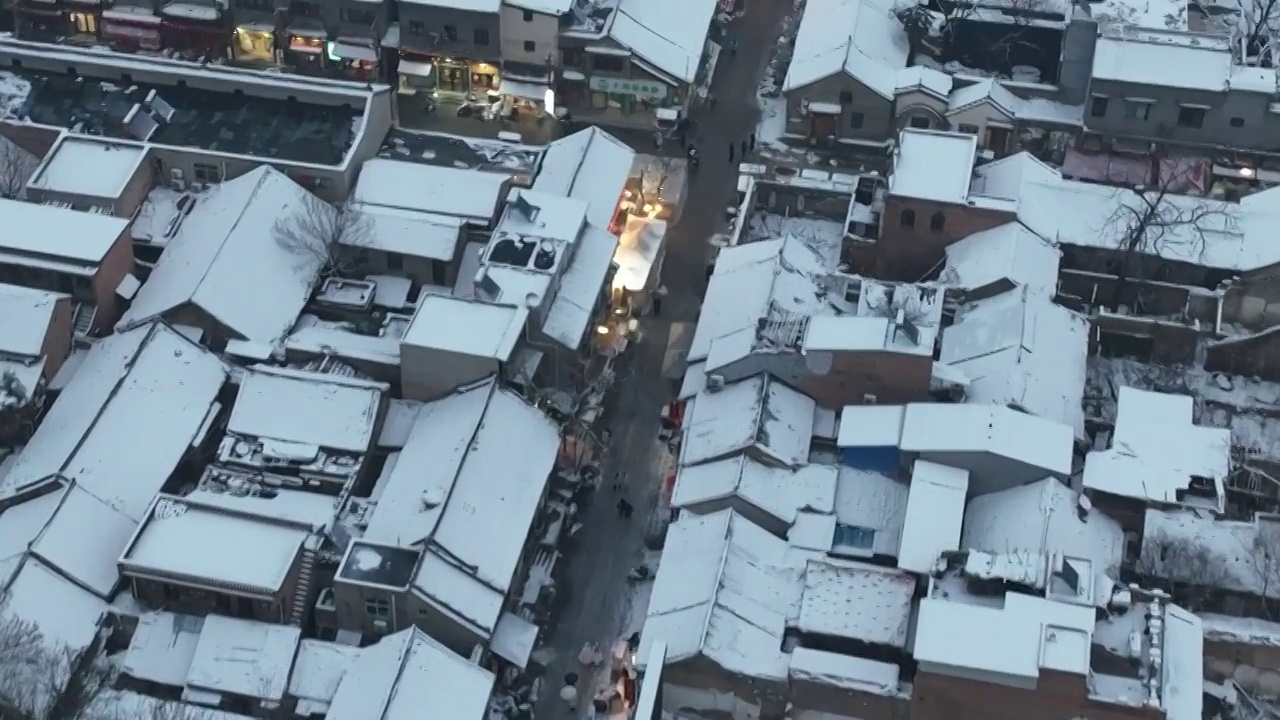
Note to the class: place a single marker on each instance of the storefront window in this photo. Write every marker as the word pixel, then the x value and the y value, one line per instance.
pixel 255 44
pixel 453 78
pixel 84 23
pixel 484 77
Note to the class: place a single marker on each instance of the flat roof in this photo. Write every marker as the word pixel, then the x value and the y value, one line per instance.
pixel 933 165
pixel 1157 451
pixel 318 409
pixel 870 426
pixel 469 194
pixel 90 166
pixel 1001 431
pixel 175 541
pixel 1008 252
pixel 1017 640
pixel 882 597
pixel 935 515
pixel 270 118
pixel 244 657
pixel 25 316
pixel 57 233
pixel 150 382
pixel 467 327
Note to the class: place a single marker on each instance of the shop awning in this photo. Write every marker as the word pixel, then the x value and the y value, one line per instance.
pixel 351 51
pixel 412 67
pixel 513 639
pixel 528 91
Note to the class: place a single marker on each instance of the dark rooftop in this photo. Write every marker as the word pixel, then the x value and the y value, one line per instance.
pixel 221 122
pixel 380 565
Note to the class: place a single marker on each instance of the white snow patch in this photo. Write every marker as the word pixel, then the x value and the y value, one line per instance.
pixel 244 657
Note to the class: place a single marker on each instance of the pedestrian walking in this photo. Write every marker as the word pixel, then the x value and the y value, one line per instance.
pixel 624 509
pixel 569 694
pixel 731 147
pixel 711 270
pixel 744 149
pixel 753 142
pixel 658 294
pixel 733 47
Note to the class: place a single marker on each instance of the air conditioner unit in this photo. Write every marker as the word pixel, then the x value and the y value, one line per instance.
pixel 176 180
pixel 715 383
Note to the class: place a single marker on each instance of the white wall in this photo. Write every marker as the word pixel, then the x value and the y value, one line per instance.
pixel 542 30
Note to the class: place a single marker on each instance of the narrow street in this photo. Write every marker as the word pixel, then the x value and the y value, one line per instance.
pixel 600 596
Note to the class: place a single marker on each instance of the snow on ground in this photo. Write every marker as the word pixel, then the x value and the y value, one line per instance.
pixel 773 122
pixel 1250 408
pixel 13 94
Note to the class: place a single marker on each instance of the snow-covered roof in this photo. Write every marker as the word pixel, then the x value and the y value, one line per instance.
pixel 922 78
pixel 317 672
pixel 255 553
pixel 59 238
pixel 468 485
pixel 228 260
pixel 855 601
pixel 1004 178
pixel 1193 547
pixel 408 675
pixel 1125 16
pixel 892 317
pixel 1156 61
pixel 580 287
pixel 770 279
pixel 25 316
pixel 870 501
pixel 845 671
pixel 313 409
pixel 1159 454
pixel 88 166
pixel 1009 253
pixel 780 492
pixel 759 415
pixel 406 232
pixel 1009 644
pixel 301 507
pixel 83 539
pixel 466 327
pixel 150 382
pixel 935 512
pixel 1041 518
pixel 940 428
pixel 1022 350
pixel 933 165
pixel 870 426
pixel 725 589
pixel 244 657
pixel 858 37
pixel 1182 665
pixel 66 614
pixel 669 34
pixel 162 648
pixel 994 93
pixel 589 165
pixel 468 194
pixel 546 7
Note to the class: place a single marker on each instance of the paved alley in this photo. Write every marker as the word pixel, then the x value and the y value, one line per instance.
pixel 600 595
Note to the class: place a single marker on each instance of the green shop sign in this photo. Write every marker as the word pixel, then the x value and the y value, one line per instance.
pixel 644 89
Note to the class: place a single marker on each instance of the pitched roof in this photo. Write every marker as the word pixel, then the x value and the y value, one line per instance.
pixel 858 37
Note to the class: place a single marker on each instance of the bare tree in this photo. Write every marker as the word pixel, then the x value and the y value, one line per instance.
pixel 1256 27
pixel 16 168
pixel 40 680
pixel 319 232
pixel 938 20
pixel 1190 569
pixel 1155 224
pixel 1265 555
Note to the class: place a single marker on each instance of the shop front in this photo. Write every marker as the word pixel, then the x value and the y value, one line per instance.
pixel 305 50
pixel 194 31
pixel 128 27
pixel 417 74
pixel 353 58
pixel 40 20
pixel 254 42
pixel 630 99
pixel 84 18
pixel 526 99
